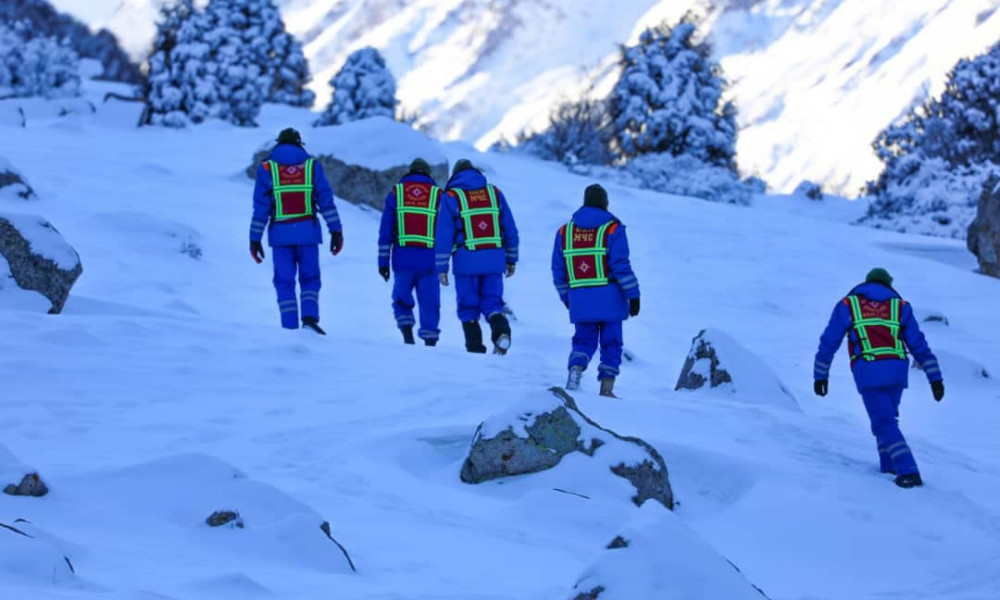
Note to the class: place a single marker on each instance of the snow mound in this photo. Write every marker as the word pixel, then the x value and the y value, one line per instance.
pixel 149 235
pixel 27 559
pixel 173 496
pixel 959 367
pixel 657 556
pixel 31 110
pixel 719 362
pixel 539 434
pixel 12 182
pixel 11 469
pixel 377 143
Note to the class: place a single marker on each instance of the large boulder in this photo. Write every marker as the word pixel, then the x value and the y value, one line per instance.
pixel 718 362
pixel 364 159
pixel 12 182
pixel 983 237
pixel 540 434
pixel 37 258
pixel 658 557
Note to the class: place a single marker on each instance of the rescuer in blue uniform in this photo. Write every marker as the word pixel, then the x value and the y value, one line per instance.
pixel 290 190
pixel 406 241
pixel 476 226
pixel 880 326
pixel 594 278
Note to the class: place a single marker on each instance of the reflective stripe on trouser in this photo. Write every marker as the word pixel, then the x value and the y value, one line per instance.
pixel 290 261
pixel 882 405
pixel 607 335
pixel 479 295
pixel 428 298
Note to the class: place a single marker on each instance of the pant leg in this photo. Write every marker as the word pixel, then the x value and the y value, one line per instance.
pixel 467 292
pixel 309 279
pixel 285 267
pixel 402 297
pixel 585 342
pixel 882 405
pixel 429 299
pixel 491 294
pixel 611 350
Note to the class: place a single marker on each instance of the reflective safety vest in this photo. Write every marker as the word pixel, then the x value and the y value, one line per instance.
pixel 293 191
pixel 876 327
pixel 480 214
pixel 416 213
pixel 586 254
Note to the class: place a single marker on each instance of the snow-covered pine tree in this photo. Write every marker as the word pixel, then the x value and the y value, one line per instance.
pixel 243 82
pixel 36 66
pixel 363 88
pixel 181 85
pixel 278 55
pixel 669 99
pixel 578 132
pixel 938 156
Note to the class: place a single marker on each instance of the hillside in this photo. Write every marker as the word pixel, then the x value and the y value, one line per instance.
pixel 167 391
pixel 815 80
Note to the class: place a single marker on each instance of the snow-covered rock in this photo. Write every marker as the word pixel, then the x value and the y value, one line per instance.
pixel 38 258
pixel 30 485
pixel 12 182
pixel 28 559
pixel 657 556
pixel 984 232
pixel 539 434
pixel 717 361
pixel 364 159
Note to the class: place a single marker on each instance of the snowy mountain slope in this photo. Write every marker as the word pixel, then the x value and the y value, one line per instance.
pixel 160 355
pixel 815 80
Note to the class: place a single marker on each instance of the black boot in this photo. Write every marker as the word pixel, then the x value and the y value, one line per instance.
pixel 909 480
pixel 312 323
pixel 500 333
pixel 407 334
pixel 430 342
pixel 473 337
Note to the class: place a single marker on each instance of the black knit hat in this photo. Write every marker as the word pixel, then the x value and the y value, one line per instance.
pixel 420 166
pixel 879 275
pixel 462 165
pixel 595 196
pixel 289 136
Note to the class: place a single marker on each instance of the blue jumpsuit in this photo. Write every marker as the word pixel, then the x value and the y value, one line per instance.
pixel 413 269
pixel 478 273
pixel 881 382
pixel 597 312
pixel 294 245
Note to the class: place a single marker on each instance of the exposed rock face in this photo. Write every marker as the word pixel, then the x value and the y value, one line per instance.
pixel 984 233
pixel 31 485
pixel 717 361
pixel 13 183
pixel 225 517
pixel 39 257
pixel 538 436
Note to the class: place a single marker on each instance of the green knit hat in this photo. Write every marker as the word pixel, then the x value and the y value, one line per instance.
pixel 879 275
pixel 420 166
pixel 595 196
pixel 462 165
pixel 289 136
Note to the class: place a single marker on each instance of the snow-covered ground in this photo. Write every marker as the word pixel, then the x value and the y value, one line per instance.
pixel 815 80
pixel 166 391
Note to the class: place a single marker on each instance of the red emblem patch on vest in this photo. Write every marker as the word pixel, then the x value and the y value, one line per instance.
pixel 417 195
pixel 873 309
pixel 292 174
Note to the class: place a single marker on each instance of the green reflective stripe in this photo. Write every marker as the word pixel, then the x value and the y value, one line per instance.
pixel 599 251
pixel 862 324
pixel 279 190
pixel 430 213
pixel 472 242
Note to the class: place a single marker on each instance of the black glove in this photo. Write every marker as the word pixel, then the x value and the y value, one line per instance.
pixel 384 272
pixel 821 387
pixel 938 388
pixel 633 307
pixel 336 242
pixel 257 251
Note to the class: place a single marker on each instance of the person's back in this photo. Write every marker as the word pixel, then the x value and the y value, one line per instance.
pixel 880 328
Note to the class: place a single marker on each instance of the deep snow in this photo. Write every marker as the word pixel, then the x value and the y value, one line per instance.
pixel 168 375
